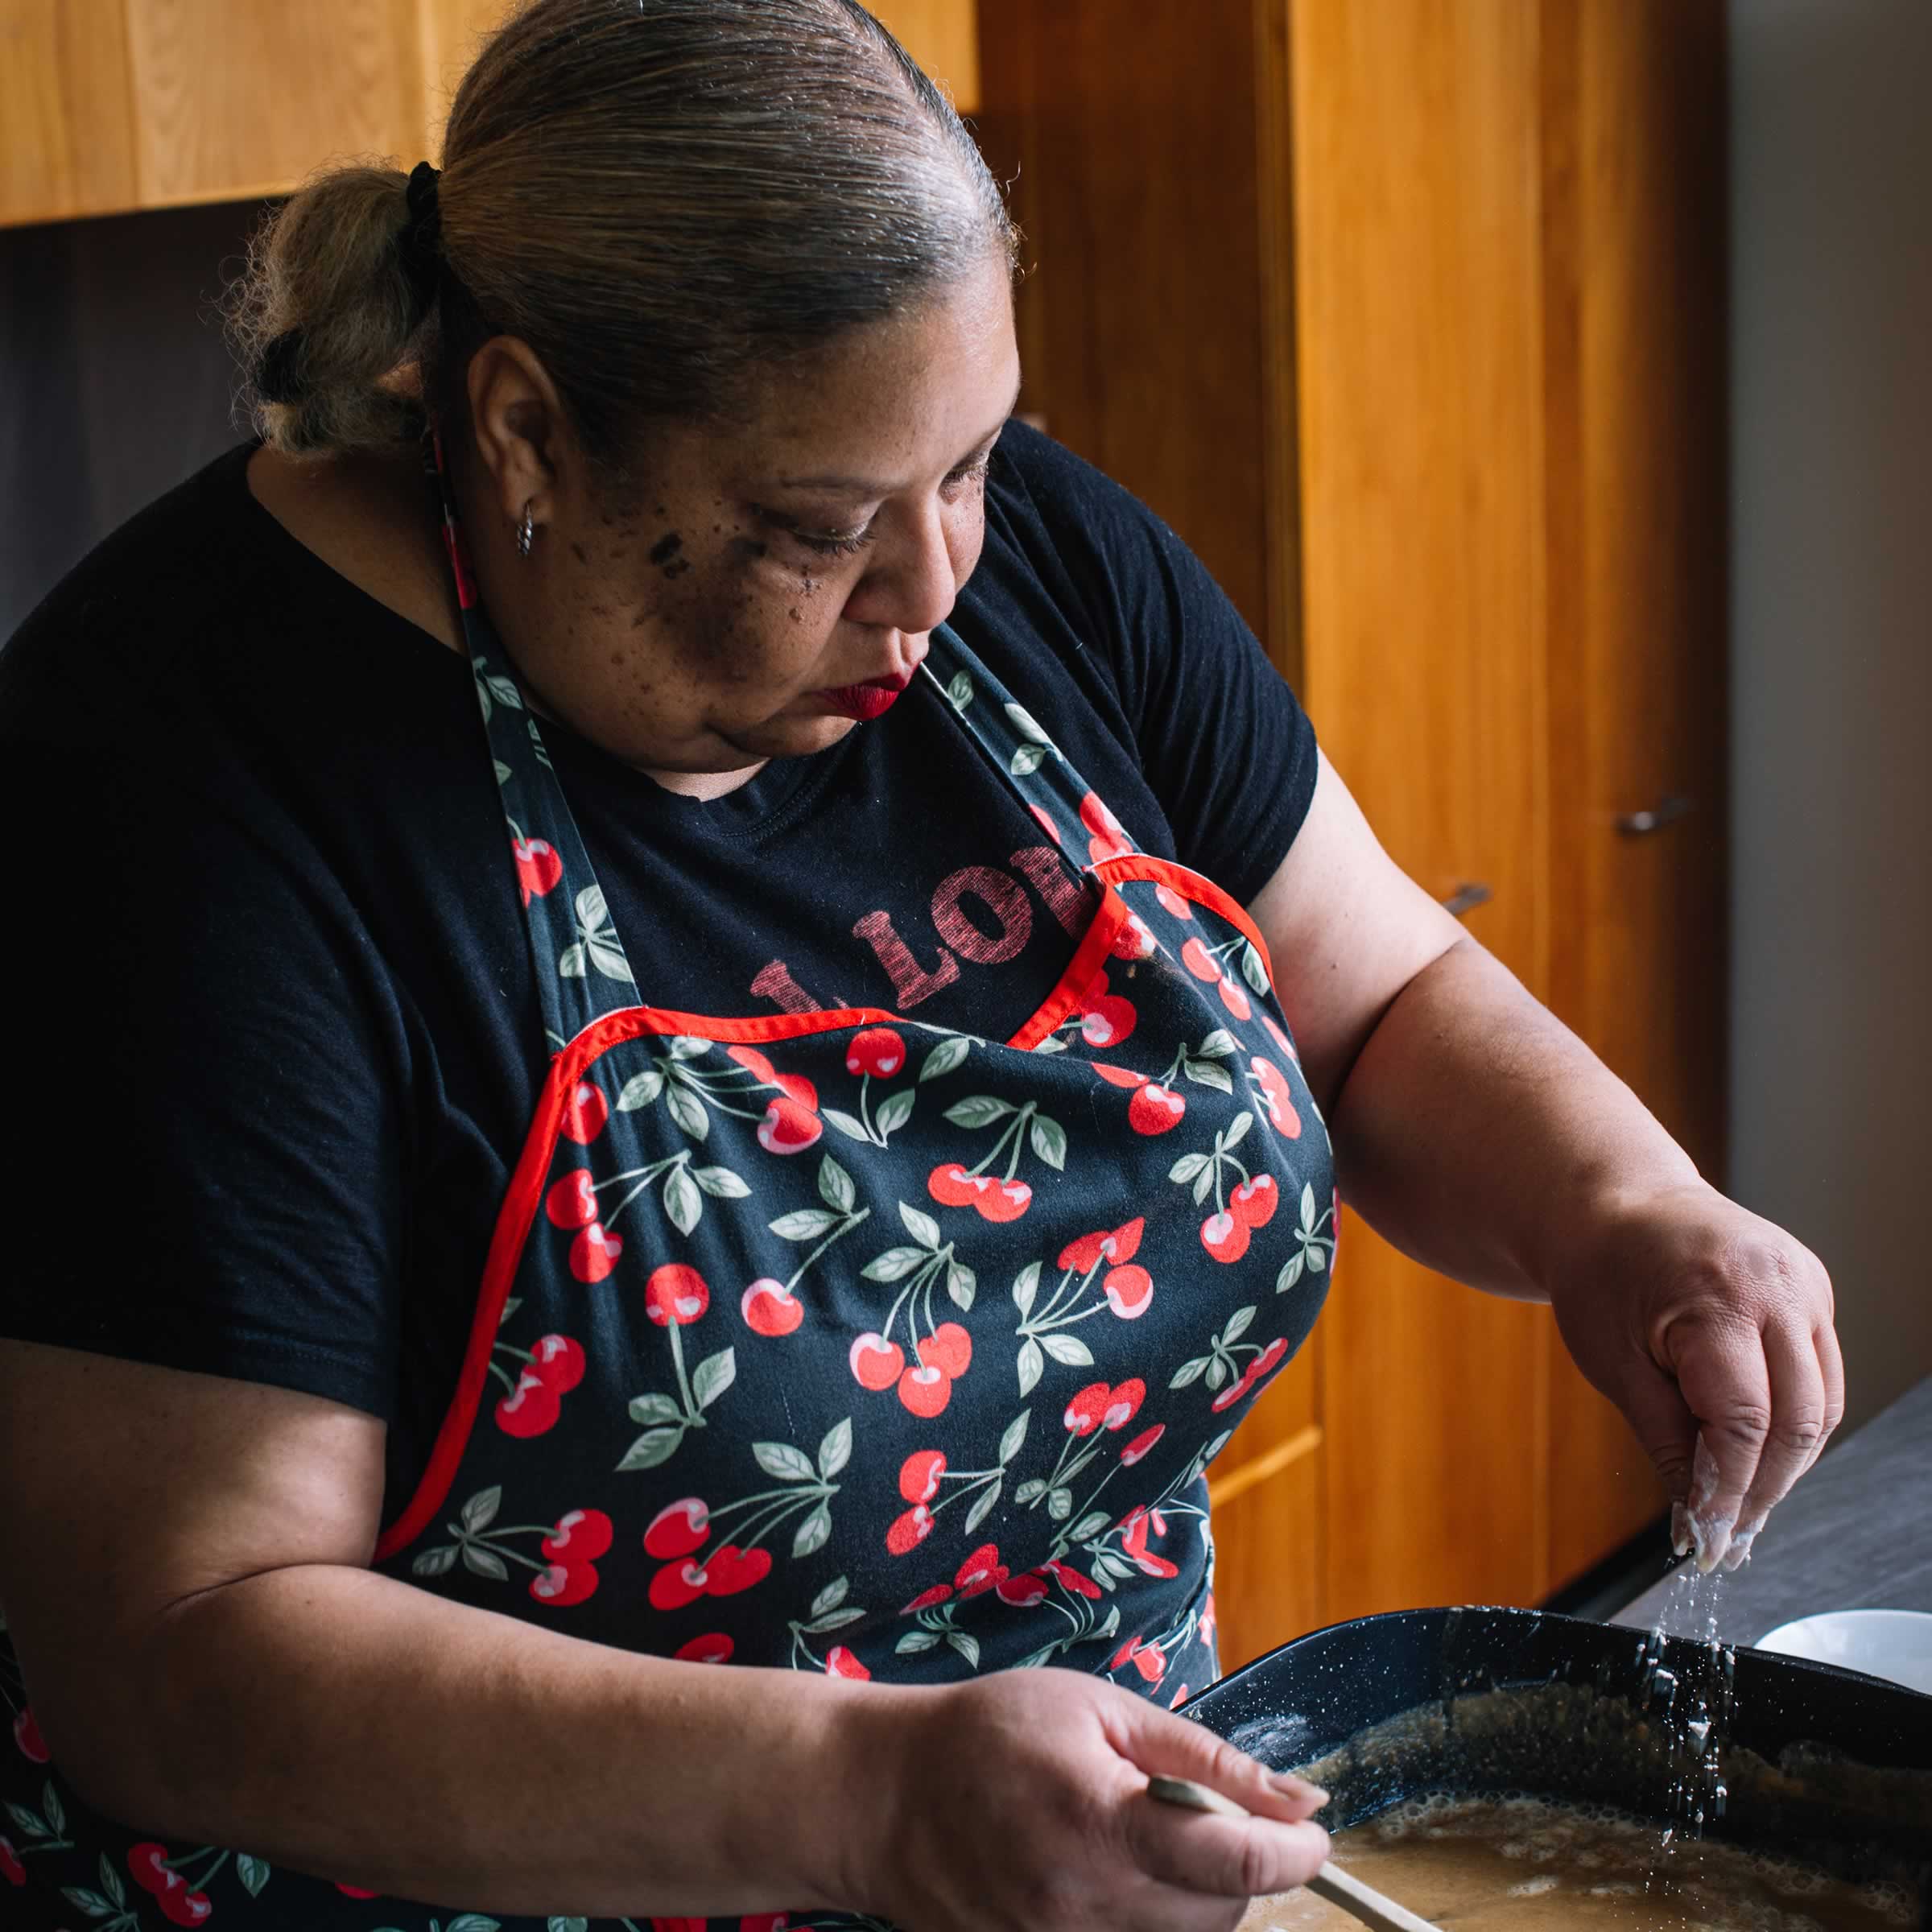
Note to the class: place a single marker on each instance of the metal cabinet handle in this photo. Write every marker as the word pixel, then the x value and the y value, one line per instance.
pixel 1467 897
pixel 1667 811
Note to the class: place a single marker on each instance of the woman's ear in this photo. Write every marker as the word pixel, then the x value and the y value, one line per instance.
pixel 520 432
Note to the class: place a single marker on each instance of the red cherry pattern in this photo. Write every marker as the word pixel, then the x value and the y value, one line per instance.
pixel 531 1409
pixel 925 1389
pixel 1277 1097
pixel 677 1529
pixel 539 867
pixel 580 1536
pixel 1097 1406
pixel 562 1586
pixel 981 1571
pixel 790 1125
pixel 675 1296
pixel 10 1867
pixel 1225 1235
pixel 1259 1368
pixel 1108 839
pixel 179 1904
pixel 1006 1202
pixel 593 1253
pixel 1255 1200
pixel 555 1367
pixel 572 1201
pixel 909 1529
pixel 876 1050
pixel 1130 1292
pixel 1071 1578
pixel 876 1362
pixel 1107 1018
pixel 1121 1244
pixel 1155 1109
pixel 27 1734
pixel 1141 1443
pixel 726 1571
pixel 714 1647
pixel 1022 1592
pixel 1133 1545
pixel 949 1349
pixel 920 1475
pixel 584 1113
pixel 769 1308
pixel 1200 961
pixel 840 1662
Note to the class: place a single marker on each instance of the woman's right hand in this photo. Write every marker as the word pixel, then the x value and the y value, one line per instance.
pixel 1017 1802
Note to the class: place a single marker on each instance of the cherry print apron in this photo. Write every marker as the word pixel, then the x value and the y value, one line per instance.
pixel 830 1339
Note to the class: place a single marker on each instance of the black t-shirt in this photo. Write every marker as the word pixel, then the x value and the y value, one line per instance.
pixel 275 1040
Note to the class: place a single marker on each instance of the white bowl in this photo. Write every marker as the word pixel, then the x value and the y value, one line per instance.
pixel 1896 1643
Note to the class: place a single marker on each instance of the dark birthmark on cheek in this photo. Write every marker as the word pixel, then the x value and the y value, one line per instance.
pixel 677 567
pixel 666 548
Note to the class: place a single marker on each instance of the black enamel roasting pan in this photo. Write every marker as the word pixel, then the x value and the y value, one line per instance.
pixel 1817 1762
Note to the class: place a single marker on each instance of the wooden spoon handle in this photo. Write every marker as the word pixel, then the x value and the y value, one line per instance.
pixel 1359 1901
pixel 1362 1901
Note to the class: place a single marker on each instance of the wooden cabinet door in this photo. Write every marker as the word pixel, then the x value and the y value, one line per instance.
pixel 234 98
pixel 1416 245
pixel 66 138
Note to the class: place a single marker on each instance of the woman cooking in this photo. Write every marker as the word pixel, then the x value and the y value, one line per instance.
pixel 707 988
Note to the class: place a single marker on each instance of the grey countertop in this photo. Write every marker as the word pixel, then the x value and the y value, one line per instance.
pixel 1854 1534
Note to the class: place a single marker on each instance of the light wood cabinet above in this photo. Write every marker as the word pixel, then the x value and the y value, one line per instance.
pixel 109 106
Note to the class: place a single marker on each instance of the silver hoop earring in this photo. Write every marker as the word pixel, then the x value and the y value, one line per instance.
pixel 526 532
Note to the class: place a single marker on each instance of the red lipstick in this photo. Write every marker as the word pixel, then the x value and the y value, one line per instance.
pixel 866 701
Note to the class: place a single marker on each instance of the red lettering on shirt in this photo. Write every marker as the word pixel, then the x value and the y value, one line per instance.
pixel 911 981
pixel 1000 897
pixel 774 983
pixel 1067 898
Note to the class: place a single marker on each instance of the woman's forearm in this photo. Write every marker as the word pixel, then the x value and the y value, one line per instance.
pixel 1480 1136
pixel 343 1723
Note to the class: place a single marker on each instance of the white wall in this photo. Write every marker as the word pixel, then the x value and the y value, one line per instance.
pixel 1831 654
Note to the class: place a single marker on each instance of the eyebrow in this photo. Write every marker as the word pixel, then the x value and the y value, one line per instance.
pixel 870 486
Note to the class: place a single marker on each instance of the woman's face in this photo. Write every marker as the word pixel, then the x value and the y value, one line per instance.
pixel 773 584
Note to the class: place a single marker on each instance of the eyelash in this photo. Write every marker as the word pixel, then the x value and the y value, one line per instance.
pixel 848 545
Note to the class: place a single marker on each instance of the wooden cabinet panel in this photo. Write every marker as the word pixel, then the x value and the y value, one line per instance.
pixel 66 139
pixel 1141 319
pixel 943 36
pixel 107 104
pixel 232 98
pixel 1268 1570
pixel 1268 1501
pixel 1633 290
pixel 1417 242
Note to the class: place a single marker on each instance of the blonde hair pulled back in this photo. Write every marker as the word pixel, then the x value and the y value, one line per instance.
pixel 659 196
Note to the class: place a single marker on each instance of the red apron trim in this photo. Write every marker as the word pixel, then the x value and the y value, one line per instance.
pixel 758 1029
pixel 1190 885
pixel 1087 961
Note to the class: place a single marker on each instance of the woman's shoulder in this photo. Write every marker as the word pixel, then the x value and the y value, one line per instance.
pixel 92 653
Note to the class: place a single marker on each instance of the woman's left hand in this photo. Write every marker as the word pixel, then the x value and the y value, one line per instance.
pixel 1710 1329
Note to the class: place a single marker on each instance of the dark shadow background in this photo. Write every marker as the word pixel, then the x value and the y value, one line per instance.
pixel 114 381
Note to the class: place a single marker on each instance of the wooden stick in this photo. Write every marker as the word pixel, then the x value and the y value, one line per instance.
pixel 1359 1901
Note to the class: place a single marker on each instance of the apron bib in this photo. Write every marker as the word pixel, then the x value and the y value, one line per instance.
pixel 833 1340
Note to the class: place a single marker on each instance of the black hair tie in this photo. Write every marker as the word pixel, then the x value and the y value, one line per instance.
pixel 275 378
pixel 419 243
